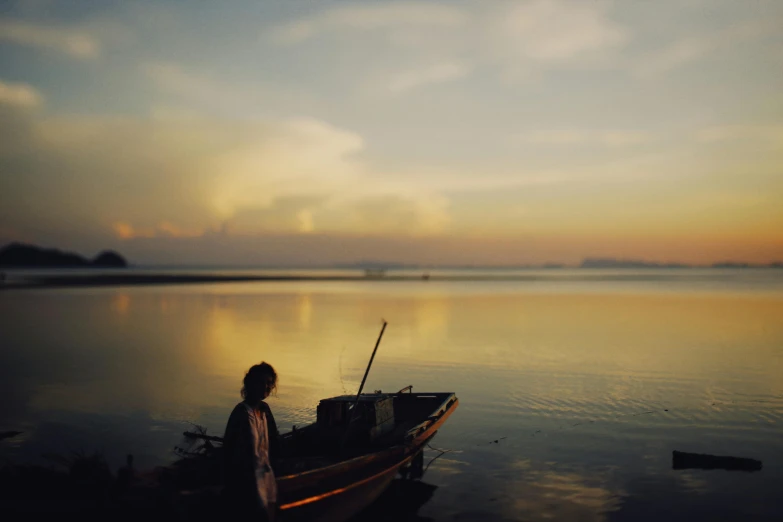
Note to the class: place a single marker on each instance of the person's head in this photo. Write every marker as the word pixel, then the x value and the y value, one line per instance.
pixel 260 380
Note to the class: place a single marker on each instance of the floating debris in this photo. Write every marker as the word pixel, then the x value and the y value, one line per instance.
pixel 683 460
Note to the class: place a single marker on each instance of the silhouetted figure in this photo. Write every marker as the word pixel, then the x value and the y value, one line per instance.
pixel 125 475
pixel 249 444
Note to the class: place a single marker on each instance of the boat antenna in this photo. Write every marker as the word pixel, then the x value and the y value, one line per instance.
pixel 361 386
pixel 372 357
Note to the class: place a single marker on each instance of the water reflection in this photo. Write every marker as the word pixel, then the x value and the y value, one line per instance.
pixel 120 303
pixel 586 394
pixel 305 311
pixel 562 496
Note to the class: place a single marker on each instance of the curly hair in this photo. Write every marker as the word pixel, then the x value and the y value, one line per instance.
pixel 259 382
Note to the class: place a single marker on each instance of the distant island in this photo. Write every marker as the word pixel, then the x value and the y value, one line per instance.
pixel 381 265
pixel 20 255
pixel 608 269
pixel 636 263
pixel 626 263
pixel 376 265
pixel 590 262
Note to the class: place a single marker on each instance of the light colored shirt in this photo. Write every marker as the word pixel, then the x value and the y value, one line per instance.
pixel 247 464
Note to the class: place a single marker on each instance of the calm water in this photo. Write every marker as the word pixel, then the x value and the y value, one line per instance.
pixel 586 384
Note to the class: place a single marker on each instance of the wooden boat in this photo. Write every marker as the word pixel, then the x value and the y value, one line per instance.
pixel 337 466
pixel 332 469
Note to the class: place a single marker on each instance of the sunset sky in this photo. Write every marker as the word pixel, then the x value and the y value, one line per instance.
pixel 463 132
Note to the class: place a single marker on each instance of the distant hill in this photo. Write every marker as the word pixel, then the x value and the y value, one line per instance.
pixel 625 263
pixel 20 255
pixel 382 265
pixel 376 265
pixel 634 263
pixel 731 264
pixel 109 259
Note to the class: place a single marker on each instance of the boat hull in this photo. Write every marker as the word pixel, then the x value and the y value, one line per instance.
pixel 339 492
pixel 342 504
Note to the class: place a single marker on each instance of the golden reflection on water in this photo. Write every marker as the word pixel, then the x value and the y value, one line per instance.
pixel 432 316
pixel 657 335
pixel 305 309
pixel 607 355
pixel 536 368
pixel 549 495
pixel 120 303
pixel 319 344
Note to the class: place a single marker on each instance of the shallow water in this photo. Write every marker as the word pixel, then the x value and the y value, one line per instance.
pixel 573 391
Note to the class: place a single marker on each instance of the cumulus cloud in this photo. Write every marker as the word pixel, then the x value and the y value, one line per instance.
pixel 73 42
pixel 305 218
pixel 399 211
pixel 299 156
pixel 178 178
pixel 19 95
pixel 125 230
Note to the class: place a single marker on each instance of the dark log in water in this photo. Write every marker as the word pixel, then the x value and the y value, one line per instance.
pixel 682 460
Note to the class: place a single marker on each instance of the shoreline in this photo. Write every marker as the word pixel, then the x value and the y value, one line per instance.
pixel 152 279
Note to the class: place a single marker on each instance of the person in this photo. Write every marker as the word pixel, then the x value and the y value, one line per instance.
pixel 250 447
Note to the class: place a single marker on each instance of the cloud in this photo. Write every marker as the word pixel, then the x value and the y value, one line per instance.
pixel 19 95
pixel 290 214
pixel 689 49
pixel 411 214
pixel 124 230
pixel 178 178
pixel 305 217
pixel 378 17
pixel 556 31
pixel 173 79
pixel 675 55
pixel 297 156
pixel 509 36
pixel 571 137
pixel 190 92
pixel 75 43
pixel 542 30
pixel 438 73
